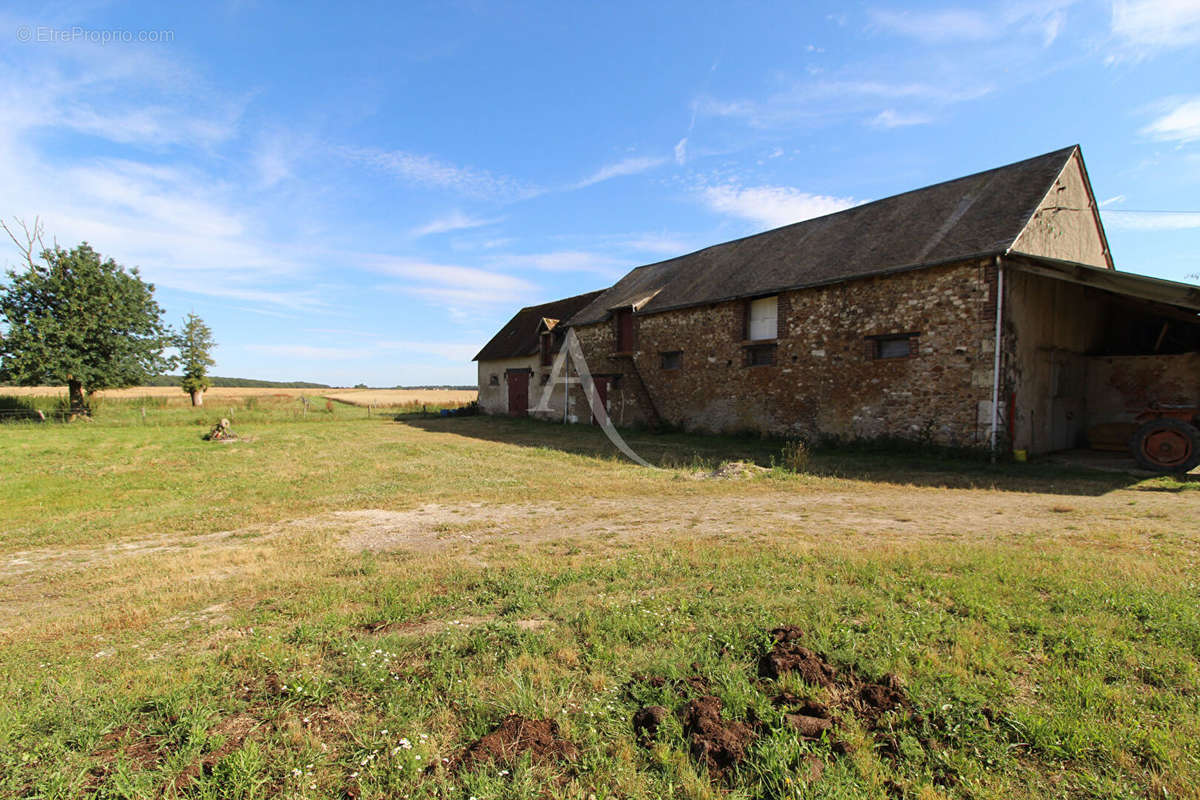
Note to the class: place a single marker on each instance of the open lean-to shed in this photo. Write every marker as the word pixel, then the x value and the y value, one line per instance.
pixel 982 311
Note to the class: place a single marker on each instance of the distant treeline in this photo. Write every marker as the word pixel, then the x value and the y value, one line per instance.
pixel 469 388
pixel 239 383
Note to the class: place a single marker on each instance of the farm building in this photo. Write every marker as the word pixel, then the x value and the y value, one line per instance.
pixel 515 364
pixel 983 310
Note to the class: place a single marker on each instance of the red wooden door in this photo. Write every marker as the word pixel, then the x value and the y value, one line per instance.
pixel 602 395
pixel 518 394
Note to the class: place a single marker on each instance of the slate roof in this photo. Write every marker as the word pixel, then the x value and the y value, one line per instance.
pixel 519 337
pixel 977 215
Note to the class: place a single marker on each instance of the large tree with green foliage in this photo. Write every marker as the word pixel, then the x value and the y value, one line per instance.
pixel 195 345
pixel 76 319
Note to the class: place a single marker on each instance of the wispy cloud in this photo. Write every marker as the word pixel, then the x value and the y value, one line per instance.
pixel 966 25
pixel 772 206
pixel 823 100
pixel 1180 122
pixel 427 171
pixel 457 289
pixel 454 221
pixel 311 352
pixel 568 261
pixel 1142 27
pixel 936 26
pixel 1151 220
pixel 626 166
pixel 891 118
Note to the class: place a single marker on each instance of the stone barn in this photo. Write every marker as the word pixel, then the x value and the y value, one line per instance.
pixel 983 311
pixel 515 364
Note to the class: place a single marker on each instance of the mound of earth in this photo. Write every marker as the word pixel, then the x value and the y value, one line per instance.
pixel 731 470
pixel 514 736
pixel 715 741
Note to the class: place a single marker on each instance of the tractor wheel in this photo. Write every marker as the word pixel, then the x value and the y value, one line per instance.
pixel 1167 445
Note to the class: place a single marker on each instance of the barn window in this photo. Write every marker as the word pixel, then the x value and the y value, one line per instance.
pixel 760 355
pixel 902 345
pixel 547 349
pixel 545 378
pixel 624 318
pixel 671 360
pixel 762 319
pixel 494 380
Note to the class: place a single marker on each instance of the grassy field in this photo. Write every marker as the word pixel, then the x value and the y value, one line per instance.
pixel 339 605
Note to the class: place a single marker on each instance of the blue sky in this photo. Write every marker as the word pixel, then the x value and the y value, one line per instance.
pixel 364 192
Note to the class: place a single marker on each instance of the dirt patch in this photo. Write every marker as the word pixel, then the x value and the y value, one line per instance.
pixel 127 743
pixel 646 722
pixel 515 736
pixel 716 742
pixel 235 730
pixel 850 694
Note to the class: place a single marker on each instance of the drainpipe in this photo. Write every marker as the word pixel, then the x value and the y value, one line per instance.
pixel 566 386
pixel 996 356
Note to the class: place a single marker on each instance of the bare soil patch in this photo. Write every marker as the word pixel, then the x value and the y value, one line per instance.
pixel 716 742
pixel 515 736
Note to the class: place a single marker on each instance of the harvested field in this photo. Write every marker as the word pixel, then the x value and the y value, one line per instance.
pixel 169 392
pixel 402 397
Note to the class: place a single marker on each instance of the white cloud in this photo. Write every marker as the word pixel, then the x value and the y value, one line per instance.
pixel 1151 220
pixel 936 26
pixel 568 261
pixel 628 166
pixel 1179 124
pixel 681 151
pixel 427 171
pixel 311 353
pixel 966 25
pixel 772 206
pixel 891 118
pixel 816 100
pixel 1142 26
pixel 1114 200
pixel 450 351
pixel 454 221
pixel 665 244
pixel 457 289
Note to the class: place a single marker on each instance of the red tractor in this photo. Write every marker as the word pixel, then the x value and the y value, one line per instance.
pixel 1167 438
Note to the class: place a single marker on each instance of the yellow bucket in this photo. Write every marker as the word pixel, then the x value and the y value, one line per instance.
pixel 1020 455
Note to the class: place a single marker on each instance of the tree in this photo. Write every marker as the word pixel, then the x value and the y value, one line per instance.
pixel 75 319
pixel 195 343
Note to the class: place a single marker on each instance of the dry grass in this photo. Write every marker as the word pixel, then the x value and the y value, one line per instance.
pixel 402 397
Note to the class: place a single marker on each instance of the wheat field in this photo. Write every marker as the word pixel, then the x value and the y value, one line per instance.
pixel 357 397
pixel 401 397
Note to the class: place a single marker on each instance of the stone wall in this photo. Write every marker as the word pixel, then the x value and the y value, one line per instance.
pixel 824 380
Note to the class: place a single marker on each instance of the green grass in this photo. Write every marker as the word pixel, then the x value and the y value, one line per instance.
pixel 1045 624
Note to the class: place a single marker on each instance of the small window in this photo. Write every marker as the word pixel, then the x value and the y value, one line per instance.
pixel 545 378
pixel 671 360
pixel 902 345
pixel 762 355
pixel 624 319
pixel 762 319
pixel 494 380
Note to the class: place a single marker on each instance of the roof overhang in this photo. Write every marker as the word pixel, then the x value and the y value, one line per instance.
pixel 1172 293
